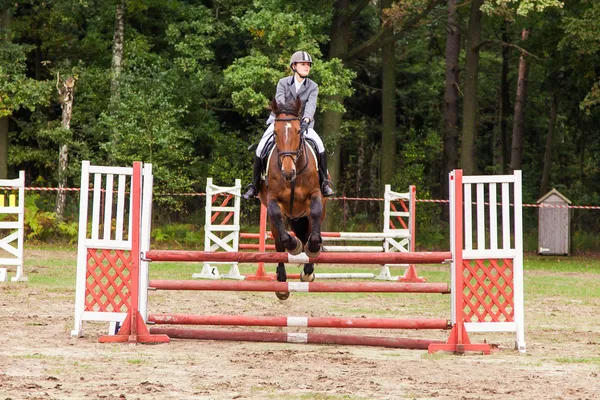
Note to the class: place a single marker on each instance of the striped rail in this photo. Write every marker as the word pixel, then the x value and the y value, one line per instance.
pixel 307 338
pixel 306 322
pixel 330 258
pixel 313 287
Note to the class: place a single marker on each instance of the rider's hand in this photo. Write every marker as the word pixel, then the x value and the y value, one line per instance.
pixel 304 124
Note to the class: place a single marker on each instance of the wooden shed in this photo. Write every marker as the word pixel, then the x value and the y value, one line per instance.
pixel 554 224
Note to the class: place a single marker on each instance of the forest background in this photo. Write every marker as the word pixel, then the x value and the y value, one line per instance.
pixel 409 90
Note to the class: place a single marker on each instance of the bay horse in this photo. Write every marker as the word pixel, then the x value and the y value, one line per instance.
pixel 292 194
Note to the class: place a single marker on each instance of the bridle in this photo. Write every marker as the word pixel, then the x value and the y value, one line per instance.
pixel 294 155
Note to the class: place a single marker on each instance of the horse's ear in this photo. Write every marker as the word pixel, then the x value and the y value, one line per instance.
pixel 274 106
pixel 298 106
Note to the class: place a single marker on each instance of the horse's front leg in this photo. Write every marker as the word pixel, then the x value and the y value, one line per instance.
pixel 313 246
pixel 281 273
pixel 292 244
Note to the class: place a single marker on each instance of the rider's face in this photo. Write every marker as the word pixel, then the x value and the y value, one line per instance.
pixel 303 68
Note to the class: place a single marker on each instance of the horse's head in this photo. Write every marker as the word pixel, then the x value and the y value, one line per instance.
pixel 288 138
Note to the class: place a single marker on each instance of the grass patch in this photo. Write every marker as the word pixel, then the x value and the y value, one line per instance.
pixel 135 361
pixel 578 360
pixel 562 264
pixel 36 356
pixel 323 396
pixel 571 286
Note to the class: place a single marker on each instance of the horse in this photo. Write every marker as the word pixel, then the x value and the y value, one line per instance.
pixel 292 195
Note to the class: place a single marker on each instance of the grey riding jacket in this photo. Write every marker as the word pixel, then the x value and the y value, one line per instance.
pixel 286 91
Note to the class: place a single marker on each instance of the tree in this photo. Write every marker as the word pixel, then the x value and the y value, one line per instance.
pixel 65 90
pixel 401 19
pixel 388 105
pixel 16 91
pixel 544 185
pixel 450 107
pixel 118 43
pixel 471 78
pixel 516 157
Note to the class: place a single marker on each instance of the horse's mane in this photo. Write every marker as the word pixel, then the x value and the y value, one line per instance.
pixel 287 108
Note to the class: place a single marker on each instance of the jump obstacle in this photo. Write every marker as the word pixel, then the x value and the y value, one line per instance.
pixel 486 287
pixel 222 233
pixel 11 243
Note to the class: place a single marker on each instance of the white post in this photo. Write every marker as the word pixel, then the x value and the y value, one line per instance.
pixel 518 266
pixel 452 197
pixel 16 206
pixel 146 228
pixel 81 252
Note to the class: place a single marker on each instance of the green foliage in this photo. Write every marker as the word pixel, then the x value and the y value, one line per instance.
pixel 43 225
pixel 521 7
pixel 251 81
pixel 145 123
pixel 197 79
pixel 277 29
pixel 185 236
pixel 582 36
pixel 16 89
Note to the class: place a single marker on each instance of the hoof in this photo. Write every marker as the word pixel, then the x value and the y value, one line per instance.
pixel 282 295
pixel 298 249
pixel 309 253
pixel 307 278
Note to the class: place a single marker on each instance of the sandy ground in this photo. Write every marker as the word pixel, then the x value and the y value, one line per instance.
pixel 39 360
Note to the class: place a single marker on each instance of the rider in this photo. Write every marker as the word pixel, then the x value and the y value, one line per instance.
pixel 289 88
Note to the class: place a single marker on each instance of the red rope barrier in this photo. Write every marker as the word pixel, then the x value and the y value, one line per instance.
pixel 343 198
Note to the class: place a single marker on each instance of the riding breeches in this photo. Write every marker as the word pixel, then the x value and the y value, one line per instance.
pixel 266 137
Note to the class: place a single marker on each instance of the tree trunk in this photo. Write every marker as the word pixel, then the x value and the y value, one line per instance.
pixel 504 102
pixel 470 114
pixel 451 97
pixel 118 40
pixel 4 24
pixel 516 157
pixel 388 108
pixel 338 48
pixel 548 153
pixel 4 148
pixel 38 60
pixel 332 120
pixel 66 99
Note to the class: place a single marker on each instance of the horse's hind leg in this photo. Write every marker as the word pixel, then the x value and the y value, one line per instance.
pixel 281 273
pixel 302 228
pixel 308 273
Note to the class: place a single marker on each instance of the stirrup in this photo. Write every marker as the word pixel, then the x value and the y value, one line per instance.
pixel 251 192
pixel 327 184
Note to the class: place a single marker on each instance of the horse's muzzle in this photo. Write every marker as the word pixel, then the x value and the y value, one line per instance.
pixel 289 175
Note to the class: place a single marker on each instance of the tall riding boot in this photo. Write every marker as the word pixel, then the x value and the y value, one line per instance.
pixel 253 188
pixel 326 184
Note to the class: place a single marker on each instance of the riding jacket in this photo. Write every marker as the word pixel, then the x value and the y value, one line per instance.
pixel 286 91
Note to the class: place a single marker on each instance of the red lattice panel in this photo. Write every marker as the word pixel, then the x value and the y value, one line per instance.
pixel 488 290
pixel 402 222
pixel 216 218
pixel 108 280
